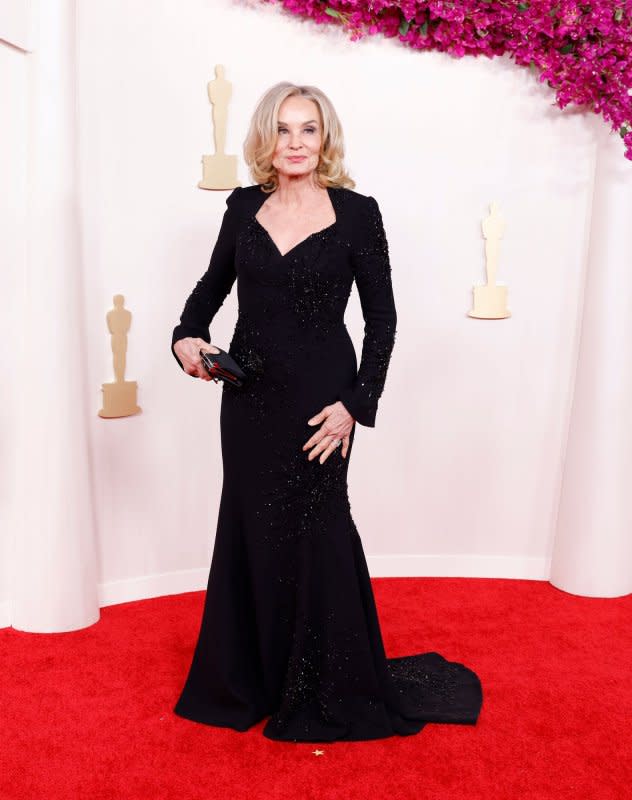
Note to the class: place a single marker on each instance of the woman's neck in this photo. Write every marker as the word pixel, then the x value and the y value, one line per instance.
pixel 297 191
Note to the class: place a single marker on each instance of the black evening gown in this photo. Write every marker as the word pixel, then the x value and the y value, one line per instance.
pixel 290 629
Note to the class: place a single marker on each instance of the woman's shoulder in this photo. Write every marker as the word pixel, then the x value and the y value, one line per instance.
pixel 360 206
pixel 352 196
pixel 245 191
pixel 360 210
pixel 242 194
pixel 244 200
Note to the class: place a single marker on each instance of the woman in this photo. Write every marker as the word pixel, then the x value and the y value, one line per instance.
pixel 290 628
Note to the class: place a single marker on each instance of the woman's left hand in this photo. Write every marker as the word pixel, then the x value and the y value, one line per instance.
pixel 337 424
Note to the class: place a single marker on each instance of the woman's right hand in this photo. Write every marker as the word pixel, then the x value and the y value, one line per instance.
pixel 188 351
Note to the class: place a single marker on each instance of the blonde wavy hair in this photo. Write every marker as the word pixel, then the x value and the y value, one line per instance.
pixel 260 142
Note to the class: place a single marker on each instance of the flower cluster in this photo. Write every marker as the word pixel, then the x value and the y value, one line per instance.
pixel 583 50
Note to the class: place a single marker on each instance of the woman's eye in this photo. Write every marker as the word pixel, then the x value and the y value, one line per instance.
pixel 307 130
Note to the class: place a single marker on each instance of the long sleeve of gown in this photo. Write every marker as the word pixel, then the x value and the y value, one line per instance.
pixel 213 287
pixel 372 271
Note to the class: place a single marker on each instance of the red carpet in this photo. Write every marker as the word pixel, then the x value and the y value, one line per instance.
pixel 89 715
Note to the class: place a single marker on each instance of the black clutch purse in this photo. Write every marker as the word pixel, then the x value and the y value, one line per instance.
pixel 223 367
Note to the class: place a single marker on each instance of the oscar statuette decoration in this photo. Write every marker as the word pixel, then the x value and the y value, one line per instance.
pixel 119 398
pixel 490 299
pixel 219 170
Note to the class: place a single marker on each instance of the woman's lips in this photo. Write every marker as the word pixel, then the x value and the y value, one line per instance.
pixel 296 158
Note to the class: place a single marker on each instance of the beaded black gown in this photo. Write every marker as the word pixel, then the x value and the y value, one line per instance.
pixel 289 628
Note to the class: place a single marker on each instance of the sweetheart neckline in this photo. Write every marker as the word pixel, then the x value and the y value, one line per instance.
pixel 332 200
pixel 298 244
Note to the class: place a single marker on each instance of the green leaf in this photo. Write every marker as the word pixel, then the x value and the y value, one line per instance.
pixel 523 6
pixel 332 12
pixel 423 30
pixel 568 48
pixel 404 25
pixel 618 15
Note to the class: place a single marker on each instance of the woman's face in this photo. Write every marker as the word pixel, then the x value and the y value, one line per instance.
pixel 299 136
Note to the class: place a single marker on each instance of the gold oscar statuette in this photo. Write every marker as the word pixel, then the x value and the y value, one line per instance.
pixel 219 170
pixel 490 299
pixel 119 398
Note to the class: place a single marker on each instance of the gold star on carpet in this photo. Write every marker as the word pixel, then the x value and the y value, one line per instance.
pixel 318 752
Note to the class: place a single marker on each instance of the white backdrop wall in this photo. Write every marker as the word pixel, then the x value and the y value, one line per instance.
pixel 463 472
pixel 13 160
